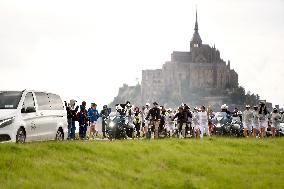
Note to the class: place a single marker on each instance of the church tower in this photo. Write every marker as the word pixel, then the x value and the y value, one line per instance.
pixel 196 39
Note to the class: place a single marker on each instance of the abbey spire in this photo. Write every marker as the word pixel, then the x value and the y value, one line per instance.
pixel 196 39
pixel 196 23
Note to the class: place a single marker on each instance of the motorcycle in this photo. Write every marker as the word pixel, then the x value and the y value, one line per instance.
pixel 116 127
pixel 281 130
pixel 221 124
pixel 236 127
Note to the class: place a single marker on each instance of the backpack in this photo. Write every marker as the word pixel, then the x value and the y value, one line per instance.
pixel 78 115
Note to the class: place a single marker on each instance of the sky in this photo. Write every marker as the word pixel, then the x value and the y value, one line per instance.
pixel 87 49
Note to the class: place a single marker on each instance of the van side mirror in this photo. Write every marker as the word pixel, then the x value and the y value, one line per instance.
pixel 23 110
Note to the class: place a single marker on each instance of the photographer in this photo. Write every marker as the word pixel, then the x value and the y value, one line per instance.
pixel 71 118
pixel 154 115
pixel 189 119
pixel 104 114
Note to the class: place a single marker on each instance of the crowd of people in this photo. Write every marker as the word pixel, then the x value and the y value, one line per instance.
pixel 151 122
pixel 85 118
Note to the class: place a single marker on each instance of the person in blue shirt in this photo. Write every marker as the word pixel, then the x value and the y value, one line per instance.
pixel 93 115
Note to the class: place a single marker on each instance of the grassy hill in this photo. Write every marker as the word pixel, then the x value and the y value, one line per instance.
pixel 208 163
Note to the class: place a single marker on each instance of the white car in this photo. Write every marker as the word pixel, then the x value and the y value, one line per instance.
pixel 31 116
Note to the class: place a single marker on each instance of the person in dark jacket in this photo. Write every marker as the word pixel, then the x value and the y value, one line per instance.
pixel 104 114
pixel 182 120
pixel 83 121
pixel 71 118
pixel 189 119
pixel 154 116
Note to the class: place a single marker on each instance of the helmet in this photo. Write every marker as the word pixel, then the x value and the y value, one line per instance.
pixel 105 107
pixel 255 106
pixel 240 113
pixel 128 103
pixel 169 109
pixel 275 109
pixel 119 107
pixel 247 106
pixel 224 106
pixel 147 104
pixel 155 103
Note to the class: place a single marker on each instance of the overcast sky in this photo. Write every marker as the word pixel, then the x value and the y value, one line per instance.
pixel 87 49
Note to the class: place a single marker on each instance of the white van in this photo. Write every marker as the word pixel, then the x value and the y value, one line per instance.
pixel 31 116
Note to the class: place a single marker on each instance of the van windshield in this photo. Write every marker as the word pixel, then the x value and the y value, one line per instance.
pixel 10 99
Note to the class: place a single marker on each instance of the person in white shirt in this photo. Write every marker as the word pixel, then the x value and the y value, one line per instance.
pixel 203 121
pixel 255 121
pixel 195 124
pixel 145 124
pixel 170 126
pixel 275 121
pixel 282 115
pixel 263 118
pixel 247 120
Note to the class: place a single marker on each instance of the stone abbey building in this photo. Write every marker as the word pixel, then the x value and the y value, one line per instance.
pixel 197 77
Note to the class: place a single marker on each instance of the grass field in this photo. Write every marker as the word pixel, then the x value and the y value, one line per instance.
pixel 208 163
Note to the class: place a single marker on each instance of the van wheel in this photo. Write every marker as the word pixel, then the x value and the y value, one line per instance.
pixel 21 136
pixel 59 135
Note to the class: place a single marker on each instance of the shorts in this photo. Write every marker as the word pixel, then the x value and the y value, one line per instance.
pixel 247 126
pixel 153 125
pixel 203 127
pixel 93 126
pixel 196 126
pixel 170 127
pixel 263 124
pixel 275 125
pixel 255 125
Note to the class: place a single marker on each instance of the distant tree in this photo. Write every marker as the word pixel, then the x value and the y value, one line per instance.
pixel 238 95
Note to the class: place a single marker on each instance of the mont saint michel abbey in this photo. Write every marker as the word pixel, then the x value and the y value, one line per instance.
pixel 196 77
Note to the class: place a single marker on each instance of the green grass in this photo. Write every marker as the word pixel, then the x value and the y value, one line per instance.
pixel 208 163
